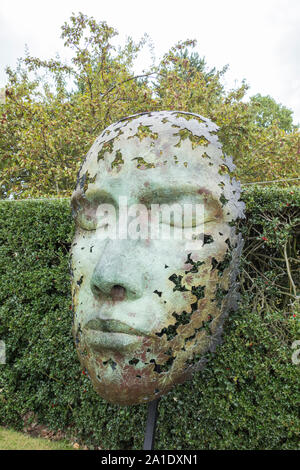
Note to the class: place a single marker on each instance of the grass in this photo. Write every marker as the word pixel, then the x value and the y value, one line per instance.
pixel 13 440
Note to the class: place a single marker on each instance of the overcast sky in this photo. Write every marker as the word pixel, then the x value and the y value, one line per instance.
pixel 259 39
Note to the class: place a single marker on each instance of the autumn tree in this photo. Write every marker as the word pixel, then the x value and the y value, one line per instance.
pixel 46 129
pixel 267 152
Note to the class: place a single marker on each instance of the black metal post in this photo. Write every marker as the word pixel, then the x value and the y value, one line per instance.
pixel 151 425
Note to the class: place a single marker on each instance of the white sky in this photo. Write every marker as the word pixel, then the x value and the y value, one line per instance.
pixel 259 39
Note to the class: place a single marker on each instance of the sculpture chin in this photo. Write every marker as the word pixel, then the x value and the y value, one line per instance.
pixel 127 385
pixel 122 373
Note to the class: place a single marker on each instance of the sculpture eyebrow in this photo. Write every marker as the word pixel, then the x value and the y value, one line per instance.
pixel 96 195
pixel 174 192
pixel 155 195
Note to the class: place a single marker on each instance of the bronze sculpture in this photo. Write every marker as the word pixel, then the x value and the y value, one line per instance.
pixel 148 307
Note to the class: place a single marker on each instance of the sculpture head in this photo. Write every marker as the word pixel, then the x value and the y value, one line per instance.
pixel 148 307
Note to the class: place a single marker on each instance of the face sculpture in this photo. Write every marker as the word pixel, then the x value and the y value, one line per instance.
pixel 148 310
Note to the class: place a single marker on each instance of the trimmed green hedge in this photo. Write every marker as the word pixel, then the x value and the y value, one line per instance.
pixel 246 398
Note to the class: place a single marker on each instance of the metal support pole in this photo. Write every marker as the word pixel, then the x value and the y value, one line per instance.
pixel 150 425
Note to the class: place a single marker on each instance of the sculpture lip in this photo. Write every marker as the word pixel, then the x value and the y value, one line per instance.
pixel 112 326
pixel 100 341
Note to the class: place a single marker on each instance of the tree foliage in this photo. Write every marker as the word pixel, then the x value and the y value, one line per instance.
pixel 267 111
pixel 53 111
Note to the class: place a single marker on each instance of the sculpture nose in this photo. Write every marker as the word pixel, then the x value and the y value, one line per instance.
pixel 116 274
pixel 118 293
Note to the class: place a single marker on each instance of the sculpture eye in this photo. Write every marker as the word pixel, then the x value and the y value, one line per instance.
pixel 94 216
pixel 86 219
pixel 85 213
pixel 194 220
pixel 188 215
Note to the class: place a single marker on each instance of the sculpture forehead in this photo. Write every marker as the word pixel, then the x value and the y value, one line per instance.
pixel 171 147
pixel 166 123
pixel 157 135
